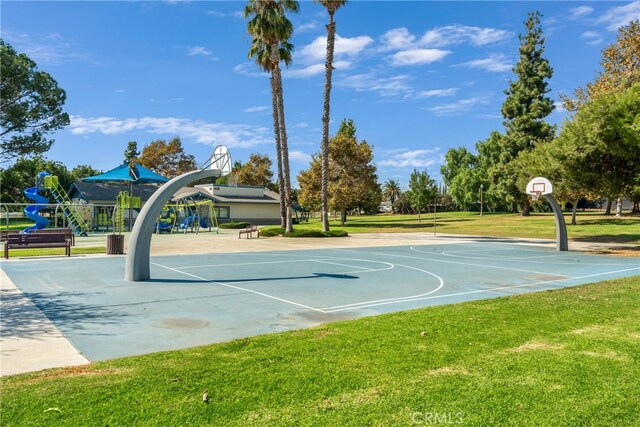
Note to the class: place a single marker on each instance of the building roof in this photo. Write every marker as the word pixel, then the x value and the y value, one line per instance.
pixel 107 192
pixel 268 198
pixel 94 192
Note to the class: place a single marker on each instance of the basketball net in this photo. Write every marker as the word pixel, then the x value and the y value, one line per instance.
pixel 536 195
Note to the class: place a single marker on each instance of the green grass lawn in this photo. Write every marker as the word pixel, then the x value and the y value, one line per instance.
pixel 75 250
pixel 565 357
pixel 590 227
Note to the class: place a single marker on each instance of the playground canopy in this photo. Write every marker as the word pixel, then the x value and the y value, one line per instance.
pixel 133 173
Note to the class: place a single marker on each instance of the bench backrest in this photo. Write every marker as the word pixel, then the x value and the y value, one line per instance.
pixel 66 231
pixel 36 238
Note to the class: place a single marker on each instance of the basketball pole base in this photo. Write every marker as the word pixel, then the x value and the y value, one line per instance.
pixel 562 241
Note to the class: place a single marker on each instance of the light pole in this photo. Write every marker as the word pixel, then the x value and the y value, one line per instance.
pixel 481 200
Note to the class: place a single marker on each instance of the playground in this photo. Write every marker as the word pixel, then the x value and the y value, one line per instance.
pixel 199 299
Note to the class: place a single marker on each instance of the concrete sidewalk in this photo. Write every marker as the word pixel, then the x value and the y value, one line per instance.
pixel 28 340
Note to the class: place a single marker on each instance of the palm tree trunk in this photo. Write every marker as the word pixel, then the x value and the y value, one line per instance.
pixel 284 149
pixel 276 130
pixel 331 38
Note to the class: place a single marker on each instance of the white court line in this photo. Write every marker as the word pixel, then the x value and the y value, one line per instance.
pixel 391 300
pixel 362 269
pixel 463 263
pixel 452 255
pixel 498 257
pixel 240 288
pixel 489 290
pixel 240 263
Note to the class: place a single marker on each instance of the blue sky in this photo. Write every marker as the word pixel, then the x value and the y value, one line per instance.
pixel 417 77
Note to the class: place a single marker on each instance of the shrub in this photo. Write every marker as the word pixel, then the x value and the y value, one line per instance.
pixel 235 225
pixel 316 233
pixel 270 232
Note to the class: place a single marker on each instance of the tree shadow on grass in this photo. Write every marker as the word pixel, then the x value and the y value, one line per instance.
pixel 64 309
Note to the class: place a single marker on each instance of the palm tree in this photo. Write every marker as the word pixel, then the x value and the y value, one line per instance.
pixel 391 191
pixel 331 6
pixel 270 31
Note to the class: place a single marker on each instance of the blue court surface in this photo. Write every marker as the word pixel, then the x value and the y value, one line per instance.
pixel 201 299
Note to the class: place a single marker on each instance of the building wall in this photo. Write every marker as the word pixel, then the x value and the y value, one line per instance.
pixel 255 213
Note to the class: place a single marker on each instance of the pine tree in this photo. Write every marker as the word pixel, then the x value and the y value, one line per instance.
pixel 131 153
pixel 524 110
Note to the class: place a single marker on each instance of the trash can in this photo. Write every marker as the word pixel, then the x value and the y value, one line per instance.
pixel 115 244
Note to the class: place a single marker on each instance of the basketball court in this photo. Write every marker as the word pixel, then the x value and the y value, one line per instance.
pixel 200 299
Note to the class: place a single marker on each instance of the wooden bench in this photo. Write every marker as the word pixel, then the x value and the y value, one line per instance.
pixel 37 240
pixel 66 231
pixel 249 232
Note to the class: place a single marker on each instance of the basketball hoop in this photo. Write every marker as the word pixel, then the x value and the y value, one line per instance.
pixel 538 187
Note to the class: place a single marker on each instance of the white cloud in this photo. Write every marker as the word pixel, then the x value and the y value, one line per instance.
pixel 199 50
pixel 231 135
pixel 619 16
pixel 436 92
pixel 257 109
pixel 411 159
pixel 317 49
pixel 45 49
pixel 592 38
pixel 397 38
pixel 458 107
pixel 579 12
pixel 249 69
pixel 304 28
pixel 301 125
pixel 457 34
pixel 308 71
pixel 216 14
pixel 299 156
pixel 497 63
pixel 417 56
pixel 559 108
pixel 385 86
pixel 314 70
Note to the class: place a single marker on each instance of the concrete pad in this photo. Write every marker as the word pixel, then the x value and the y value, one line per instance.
pixel 28 340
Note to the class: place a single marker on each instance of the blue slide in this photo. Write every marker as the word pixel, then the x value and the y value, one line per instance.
pixel 31 211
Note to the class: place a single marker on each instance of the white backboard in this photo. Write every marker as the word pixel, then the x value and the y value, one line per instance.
pixel 540 186
pixel 221 160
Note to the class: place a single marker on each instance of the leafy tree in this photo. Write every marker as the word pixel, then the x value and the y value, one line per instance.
pixel 30 105
pixel 167 158
pixel 83 171
pixel 353 182
pixel 600 147
pixel 257 171
pixel 620 68
pixel 402 205
pixel 463 176
pixel 131 153
pixel 422 191
pixel 270 31
pixel 524 109
pixel 391 191
pixel 22 175
pixel 332 6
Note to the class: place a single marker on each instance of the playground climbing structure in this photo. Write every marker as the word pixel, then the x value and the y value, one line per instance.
pixel 74 215
pixel 124 202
